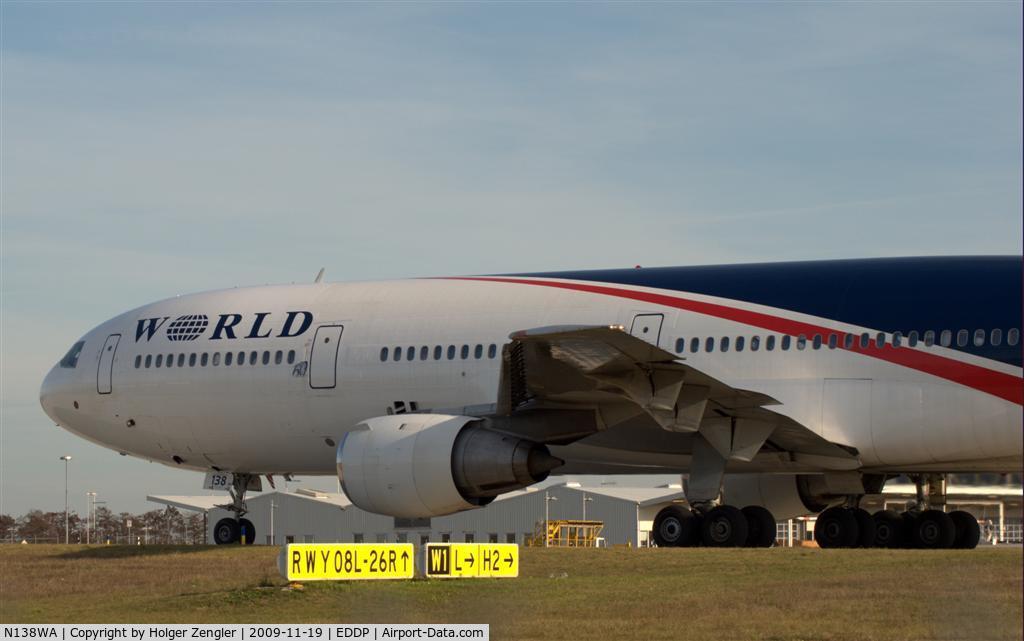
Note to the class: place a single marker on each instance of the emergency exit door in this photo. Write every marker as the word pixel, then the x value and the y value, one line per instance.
pixel 323 358
pixel 647 327
pixel 105 370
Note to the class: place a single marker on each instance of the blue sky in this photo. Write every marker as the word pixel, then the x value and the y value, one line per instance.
pixel 150 149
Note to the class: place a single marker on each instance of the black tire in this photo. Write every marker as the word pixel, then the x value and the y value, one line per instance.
pixel 724 526
pixel 761 528
pixel 968 532
pixel 225 532
pixel 246 532
pixel 888 529
pixel 836 527
pixel 934 530
pixel 676 526
pixel 866 530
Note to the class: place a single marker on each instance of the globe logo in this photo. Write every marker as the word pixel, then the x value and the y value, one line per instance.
pixel 188 327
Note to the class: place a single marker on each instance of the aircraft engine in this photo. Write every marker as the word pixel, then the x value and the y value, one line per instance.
pixel 423 465
pixel 784 495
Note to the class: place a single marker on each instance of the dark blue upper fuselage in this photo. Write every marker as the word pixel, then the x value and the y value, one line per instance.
pixel 886 294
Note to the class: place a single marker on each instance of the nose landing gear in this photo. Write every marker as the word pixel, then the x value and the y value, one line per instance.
pixel 238 529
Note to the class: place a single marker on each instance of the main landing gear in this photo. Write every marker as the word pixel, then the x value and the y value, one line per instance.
pixel 238 529
pixel 924 525
pixel 708 523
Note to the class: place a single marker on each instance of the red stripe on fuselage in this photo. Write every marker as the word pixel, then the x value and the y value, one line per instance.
pixel 1005 386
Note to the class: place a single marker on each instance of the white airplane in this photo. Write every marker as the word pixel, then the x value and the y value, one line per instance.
pixel 787 389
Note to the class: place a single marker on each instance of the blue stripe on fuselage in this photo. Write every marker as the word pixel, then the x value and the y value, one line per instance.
pixel 886 294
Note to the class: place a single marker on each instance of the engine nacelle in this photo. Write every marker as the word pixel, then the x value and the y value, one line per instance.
pixel 784 495
pixel 423 465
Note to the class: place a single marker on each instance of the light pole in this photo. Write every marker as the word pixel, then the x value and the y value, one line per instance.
pixel 547 528
pixel 273 506
pixel 90 504
pixel 66 458
pixel 586 499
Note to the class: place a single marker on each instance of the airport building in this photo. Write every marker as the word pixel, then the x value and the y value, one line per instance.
pixel 626 515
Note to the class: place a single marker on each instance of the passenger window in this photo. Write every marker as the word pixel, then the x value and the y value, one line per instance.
pixel 278 357
pixel 865 339
pixel 451 352
pixel 181 360
pixel 929 338
pixel 723 344
pixel 149 360
pixel 1012 337
pixel 694 345
pixel 848 341
pixel 70 360
pixel 740 342
pixel 709 344
pixel 801 342
pixel 786 341
pixel 138 361
pixel 912 339
pixel 159 360
pixel 833 341
pixel 228 357
pixel 398 354
pixel 424 353
pixel 979 337
pixel 880 339
pixel 465 352
pixel 478 352
pixel 252 357
pixel 492 351
pixel 945 338
pixel 996 337
pixel 383 354
pixel 170 360
pixel 241 358
pixel 961 338
pixel 203 360
pixel 192 359
pixel 216 359
pixel 266 357
pixel 291 356
pixel 769 343
pixel 755 343
pixel 680 344
pixel 897 339
pixel 410 353
pixel 438 350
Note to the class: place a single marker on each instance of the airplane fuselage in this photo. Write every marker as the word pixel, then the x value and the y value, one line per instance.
pixel 269 379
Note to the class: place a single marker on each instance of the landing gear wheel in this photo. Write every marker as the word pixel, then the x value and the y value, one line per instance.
pixel 225 532
pixel 676 526
pixel 760 527
pixel 934 530
pixel 968 532
pixel 246 532
pixel 836 527
pixel 888 529
pixel 724 526
pixel 866 530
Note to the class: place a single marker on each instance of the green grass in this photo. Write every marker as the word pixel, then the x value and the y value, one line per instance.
pixel 778 594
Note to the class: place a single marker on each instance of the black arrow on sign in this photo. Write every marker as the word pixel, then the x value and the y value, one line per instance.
pixel 509 558
pixel 469 560
pixel 405 560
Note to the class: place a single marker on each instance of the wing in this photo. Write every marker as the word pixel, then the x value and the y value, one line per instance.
pixel 559 384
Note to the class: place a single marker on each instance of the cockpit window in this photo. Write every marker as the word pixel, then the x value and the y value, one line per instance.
pixel 70 360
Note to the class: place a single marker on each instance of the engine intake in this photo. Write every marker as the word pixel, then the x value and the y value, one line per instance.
pixel 423 465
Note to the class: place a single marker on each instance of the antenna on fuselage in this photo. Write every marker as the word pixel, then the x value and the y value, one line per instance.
pixel 320 276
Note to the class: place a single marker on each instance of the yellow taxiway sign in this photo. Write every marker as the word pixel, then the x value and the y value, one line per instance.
pixel 470 560
pixel 346 561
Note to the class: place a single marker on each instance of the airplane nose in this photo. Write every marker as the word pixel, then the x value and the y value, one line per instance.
pixel 48 393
